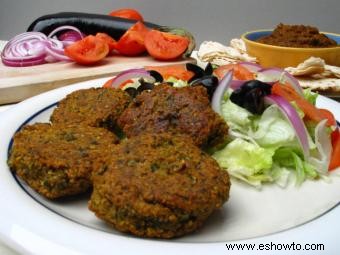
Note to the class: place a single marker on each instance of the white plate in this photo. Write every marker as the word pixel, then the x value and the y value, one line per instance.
pixel 32 224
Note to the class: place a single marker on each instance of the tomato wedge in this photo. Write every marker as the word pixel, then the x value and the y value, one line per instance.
pixel 107 39
pixel 87 51
pixel 325 114
pixel 132 41
pixel 335 158
pixel 127 13
pixel 240 72
pixel 108 83
pixel 177 71
pixel 165 46
pixel 311 112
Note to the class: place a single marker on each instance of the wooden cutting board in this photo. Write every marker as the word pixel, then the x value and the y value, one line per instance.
pixel 18 83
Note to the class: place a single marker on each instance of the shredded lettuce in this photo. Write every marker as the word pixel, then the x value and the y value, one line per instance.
pixel 238 117
pixel 176 82
pixel 273 129
pixel 310 96
pixel 246 160
pixel 265 148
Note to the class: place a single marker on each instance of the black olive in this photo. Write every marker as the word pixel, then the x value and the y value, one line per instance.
pixel 158 77
pixel 256 84
pixel 131 91
pixel 195 69
pixel 144 86
pixel 198 71
pixel 210 82
pixel 254 101
pixel 251 96
pixel 208 69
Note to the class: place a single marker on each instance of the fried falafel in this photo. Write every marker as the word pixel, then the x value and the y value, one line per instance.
pixel 177 110
pixel 158 185
pixel 57 160
pixel 96 107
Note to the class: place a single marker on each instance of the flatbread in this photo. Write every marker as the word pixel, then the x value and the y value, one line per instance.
pixel 313 73
pixel 331 85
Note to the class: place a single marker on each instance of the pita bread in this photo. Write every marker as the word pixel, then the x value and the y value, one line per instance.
pixel 313 73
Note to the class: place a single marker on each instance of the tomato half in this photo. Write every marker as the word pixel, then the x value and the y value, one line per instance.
pixel 165 46
pixel 87 51
pixel 127 13
pixel 107 39
pixel 132 41
pixel 239 72
pixel 177 71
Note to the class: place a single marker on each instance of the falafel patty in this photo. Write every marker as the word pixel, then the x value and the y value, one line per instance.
pixel 57 161
pixel 158 185
pixel 96 107
pixel 184 110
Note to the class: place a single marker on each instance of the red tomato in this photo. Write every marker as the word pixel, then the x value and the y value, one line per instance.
pixel 127 13
pixel 87 51
pixel 335 158
pixel 165 46
pixel 107 39
pixel 108 83
pixel 132 41
pixel 240 72
pixel 311 112
pixel 177 71
pixel 325 114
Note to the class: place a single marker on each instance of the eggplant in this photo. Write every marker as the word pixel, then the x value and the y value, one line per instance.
pixel 90 23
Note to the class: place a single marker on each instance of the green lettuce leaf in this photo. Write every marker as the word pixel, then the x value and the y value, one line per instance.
pixel 310 96
pixel 246 161
pixel 273 130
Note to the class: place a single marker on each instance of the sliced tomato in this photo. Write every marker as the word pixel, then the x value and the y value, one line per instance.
pixel 165 46
pixel 326 114
pixel 335 158
pixel 311 112
pixel 239 72
pixel 127 13
pixel 107 39
pixel 177 71
pixel 132 41
pixel 108 83
pixel 87 51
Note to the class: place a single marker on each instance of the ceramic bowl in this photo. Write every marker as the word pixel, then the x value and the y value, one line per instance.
pixel 277 56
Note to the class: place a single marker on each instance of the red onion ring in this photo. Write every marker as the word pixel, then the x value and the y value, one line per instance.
pixel 253 67
pixel 23 48
pixel 277 74
pixel 54 53
pixel 35 48
pixel 74 33
pixel 293 117
pixel 220 90
pixel 131 74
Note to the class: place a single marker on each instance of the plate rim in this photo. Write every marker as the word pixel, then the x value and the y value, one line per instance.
pixel 18 227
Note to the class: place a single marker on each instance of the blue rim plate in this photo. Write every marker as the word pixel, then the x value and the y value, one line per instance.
pixel 32 224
